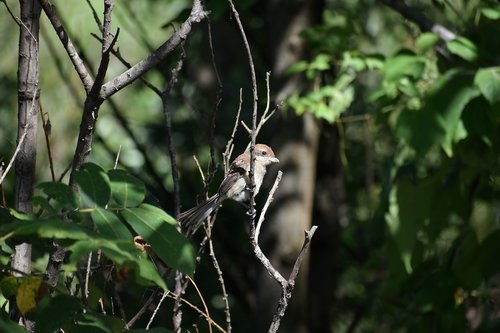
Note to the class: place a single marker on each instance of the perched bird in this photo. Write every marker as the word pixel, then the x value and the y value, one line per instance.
pixel 235 186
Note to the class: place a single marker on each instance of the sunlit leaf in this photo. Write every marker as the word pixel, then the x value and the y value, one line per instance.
pixel 491 13
pixel 463 48
pixel 403 65
pixel 439 121
pixel 172 247
pixel 121 252
pixel 426 41
pixel 109 225
pixel 126 190
pixel 52 228
pixel 488 81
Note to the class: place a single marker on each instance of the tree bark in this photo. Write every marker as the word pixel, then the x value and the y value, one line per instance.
pixel 28 109
pixel 28 95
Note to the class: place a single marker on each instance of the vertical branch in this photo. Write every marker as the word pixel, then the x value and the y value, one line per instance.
pixel 28 95
pixel 28 107
pixel 251 210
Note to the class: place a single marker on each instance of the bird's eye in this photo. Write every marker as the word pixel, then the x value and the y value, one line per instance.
pixel 264 153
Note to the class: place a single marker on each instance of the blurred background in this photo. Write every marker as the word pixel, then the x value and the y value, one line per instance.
pixel 387 135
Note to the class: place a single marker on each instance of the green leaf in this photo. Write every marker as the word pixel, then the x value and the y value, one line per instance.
pixel 61 193
pixel 50 229
pixel 491 13
pixel 171 246
pixel 488 81
pixel 109 225
pixel 426 41
pixel 121 252
pixel 9 285
pixel 409 206
pixel 97 323
pixel 56 312
pixel 463 48
pixel 94 184
pixel 7 325
pixel 439 122
pixel 404 65
pixel 126 190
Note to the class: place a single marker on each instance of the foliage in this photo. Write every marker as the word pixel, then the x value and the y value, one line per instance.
pixel 435 112
pixel 101 217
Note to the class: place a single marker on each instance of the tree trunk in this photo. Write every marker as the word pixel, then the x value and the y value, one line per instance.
pixel 28 95
pixel 296 147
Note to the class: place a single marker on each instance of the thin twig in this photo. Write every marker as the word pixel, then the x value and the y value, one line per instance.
pixel 209 319
pixel 156 310
pixel 220 277
pixel 46 130
pixel 117 157
pixel 270 199
pixel 194 307
pixel 142 310
pixel 286 291
pixel 18 148
pixel 251 209
pixel 87 276
pixel 230 146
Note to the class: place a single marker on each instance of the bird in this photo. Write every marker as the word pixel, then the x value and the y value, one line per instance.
pixel 235 186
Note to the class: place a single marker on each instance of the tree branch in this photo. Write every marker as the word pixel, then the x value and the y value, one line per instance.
pixel 68 45
pixel 423 22
pixel 155 58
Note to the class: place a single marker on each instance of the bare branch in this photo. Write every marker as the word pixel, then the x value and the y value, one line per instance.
pixel 156 310
pixel 70 48
pixel 423 22
pixel 251 209
pixel 226 156
pixel 286 292
pixel 11 162
pixel 270 199
pixel 155 58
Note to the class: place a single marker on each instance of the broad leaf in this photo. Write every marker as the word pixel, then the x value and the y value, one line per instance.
pixel 56 312
pixel 97 323
pixel 403 65
pixel 121 252
pixel 426 41
pixel 61 193
pixel 463 48
pixel 52 228
pixel 27 292
pixel 172 247
pixel 438 122
pixel 488 81
pixel 109 225
pixel 126 190
pixel 8 326
pixel 94 183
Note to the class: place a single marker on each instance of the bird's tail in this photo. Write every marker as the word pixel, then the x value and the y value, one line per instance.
pixel 193 218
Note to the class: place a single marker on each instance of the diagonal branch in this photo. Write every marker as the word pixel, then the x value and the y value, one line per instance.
pixel 155 58
pixel 423 22
pixel 70 48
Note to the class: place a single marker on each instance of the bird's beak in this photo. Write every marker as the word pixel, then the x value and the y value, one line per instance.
pixel 274 160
